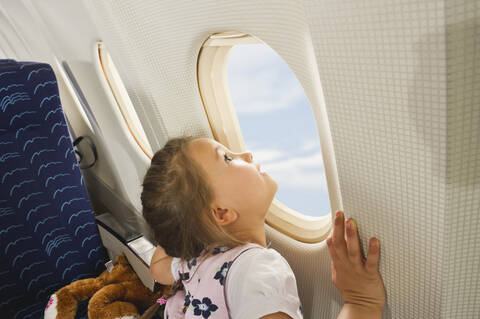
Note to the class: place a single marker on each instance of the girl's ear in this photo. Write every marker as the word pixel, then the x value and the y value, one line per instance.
pixel 224 216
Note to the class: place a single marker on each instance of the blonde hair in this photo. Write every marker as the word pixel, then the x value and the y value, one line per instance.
pixel 176 201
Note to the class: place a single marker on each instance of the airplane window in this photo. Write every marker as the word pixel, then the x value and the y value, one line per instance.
pixel 278 126
pixel 123 100
pixel 253 101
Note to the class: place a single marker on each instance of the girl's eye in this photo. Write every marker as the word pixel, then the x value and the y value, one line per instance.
pixel 227 158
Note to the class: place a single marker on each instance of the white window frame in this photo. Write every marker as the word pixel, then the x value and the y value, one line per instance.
pixel 123 100
pixel 213 86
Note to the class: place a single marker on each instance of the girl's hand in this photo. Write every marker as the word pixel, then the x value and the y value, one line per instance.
pixel 357 279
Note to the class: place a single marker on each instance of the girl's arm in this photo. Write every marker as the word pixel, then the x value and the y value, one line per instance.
pixel 160 267
pixel 357 279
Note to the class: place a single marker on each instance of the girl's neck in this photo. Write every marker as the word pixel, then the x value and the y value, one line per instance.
pixel 256 236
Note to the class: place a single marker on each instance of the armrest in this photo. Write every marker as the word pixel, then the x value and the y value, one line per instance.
pixel 122 232
pixel 118 239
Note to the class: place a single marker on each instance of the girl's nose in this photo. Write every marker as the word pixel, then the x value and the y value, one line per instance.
pixel 248 156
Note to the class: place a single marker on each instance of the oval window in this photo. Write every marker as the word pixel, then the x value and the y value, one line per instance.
pixel 278 126
pixel 123 100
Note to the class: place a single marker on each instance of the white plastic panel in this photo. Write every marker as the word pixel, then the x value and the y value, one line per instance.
pixel 383 68
pixel 401 85
pixel 399 79
pixel 11 39
pixel 461 283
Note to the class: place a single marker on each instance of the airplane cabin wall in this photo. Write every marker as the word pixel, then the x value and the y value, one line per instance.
pixel 402 89
pixel 400 84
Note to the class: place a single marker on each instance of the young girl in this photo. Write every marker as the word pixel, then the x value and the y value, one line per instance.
pixel 206 207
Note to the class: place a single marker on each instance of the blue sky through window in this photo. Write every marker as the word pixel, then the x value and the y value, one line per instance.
pixel 278 126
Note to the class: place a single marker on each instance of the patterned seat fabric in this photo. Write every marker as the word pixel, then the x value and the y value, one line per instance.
pixel 48 234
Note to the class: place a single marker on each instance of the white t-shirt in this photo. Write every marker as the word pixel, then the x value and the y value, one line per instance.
pixel 259 282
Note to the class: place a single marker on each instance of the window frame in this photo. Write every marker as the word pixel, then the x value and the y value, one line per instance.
pixel 122 100
pixel 215 94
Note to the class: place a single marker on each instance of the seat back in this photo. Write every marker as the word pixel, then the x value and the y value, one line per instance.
pixel 48 234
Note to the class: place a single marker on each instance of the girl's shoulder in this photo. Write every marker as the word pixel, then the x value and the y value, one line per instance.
pixel 212 254
pixel 261 259
pixel 263 280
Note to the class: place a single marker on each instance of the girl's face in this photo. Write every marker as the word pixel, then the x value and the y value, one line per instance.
pixel 236 180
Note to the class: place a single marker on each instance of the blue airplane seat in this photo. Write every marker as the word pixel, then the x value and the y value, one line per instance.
pixel 48 234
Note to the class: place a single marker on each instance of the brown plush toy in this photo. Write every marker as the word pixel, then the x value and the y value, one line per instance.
pixel 115 294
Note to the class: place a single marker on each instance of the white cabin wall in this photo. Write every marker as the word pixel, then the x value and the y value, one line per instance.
pixel 400 83
pixel 461 289
pixel 383 69
pixel 12 44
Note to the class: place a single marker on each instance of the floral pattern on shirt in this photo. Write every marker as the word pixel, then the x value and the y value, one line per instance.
pixel 204 307
pixel 221 249
pixel 222 273
pixel 188 299
pixel 205 300
pixel 184 276
pixel 191 263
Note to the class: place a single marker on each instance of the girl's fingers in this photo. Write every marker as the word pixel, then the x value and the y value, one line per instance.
pixel 353 246
pixel 371 265
pixel 331 250
pixel 339 237
pixel 334 273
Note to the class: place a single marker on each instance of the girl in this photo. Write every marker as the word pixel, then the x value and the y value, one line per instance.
pixel 206 207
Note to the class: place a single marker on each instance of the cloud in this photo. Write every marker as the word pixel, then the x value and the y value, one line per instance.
pixel 305 172
pixel 257 56
pixel 261 82
pixel 266 155
pixel 310 145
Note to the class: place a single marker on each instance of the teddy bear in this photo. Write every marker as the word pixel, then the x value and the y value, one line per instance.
pixel 117 293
